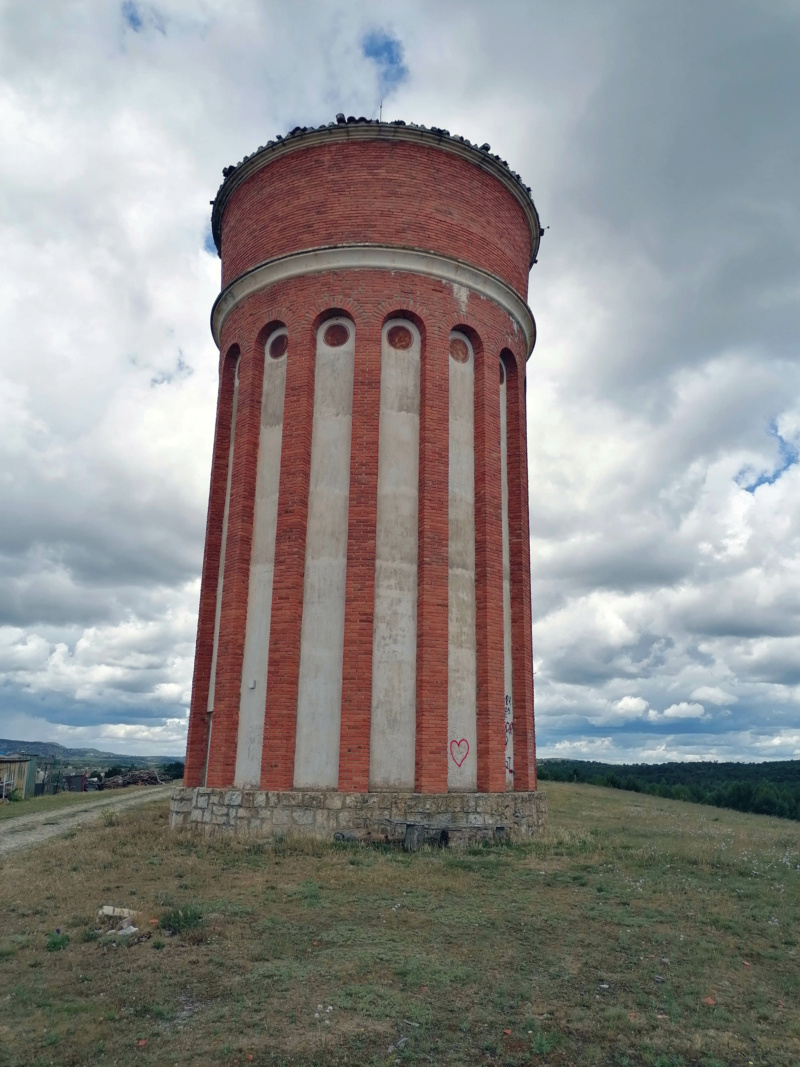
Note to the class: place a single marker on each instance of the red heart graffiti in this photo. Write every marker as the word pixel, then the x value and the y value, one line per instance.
pixel 456 748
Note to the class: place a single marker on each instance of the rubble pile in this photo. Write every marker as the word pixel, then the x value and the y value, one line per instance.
pixel 142 777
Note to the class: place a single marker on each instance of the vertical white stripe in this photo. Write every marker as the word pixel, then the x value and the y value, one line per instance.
pixel 462 672
pixel 507 657
pixel 262 567
pixel 319 699
pixel 221 573
pixel 394 647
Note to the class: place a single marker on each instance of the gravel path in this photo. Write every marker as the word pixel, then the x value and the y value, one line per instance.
pixel 32 829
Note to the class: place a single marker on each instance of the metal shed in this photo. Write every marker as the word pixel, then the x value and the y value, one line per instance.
pixel 17 775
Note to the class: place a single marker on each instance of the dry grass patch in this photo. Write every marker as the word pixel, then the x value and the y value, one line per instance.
pixel 636 931
pixel 55 803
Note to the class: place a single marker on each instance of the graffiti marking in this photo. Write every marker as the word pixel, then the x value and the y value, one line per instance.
pixel 459 750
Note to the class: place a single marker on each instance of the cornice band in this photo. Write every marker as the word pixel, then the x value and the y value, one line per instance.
pixel 374 257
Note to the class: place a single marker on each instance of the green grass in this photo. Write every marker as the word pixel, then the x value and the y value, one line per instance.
pixel 56 942
pixel 53 803
pixel 58 801
pixel 637 932
pixel 180 920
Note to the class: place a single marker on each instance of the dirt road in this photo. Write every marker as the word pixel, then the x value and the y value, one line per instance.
pixel 28 830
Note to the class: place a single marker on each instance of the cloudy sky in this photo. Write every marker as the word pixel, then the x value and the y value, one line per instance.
pixel 662 144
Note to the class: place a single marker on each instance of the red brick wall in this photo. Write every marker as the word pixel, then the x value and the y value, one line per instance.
pixel 197 742
pixel 433 554
pixel 376 192
pixel 489 568
pixel 389 194
pixel 227 685
pixel 277 766
pixel 360 580
pixel 520 552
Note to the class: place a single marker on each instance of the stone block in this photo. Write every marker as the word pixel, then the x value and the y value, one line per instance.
pixel 462 817
pixel 323 819
pixel 414 837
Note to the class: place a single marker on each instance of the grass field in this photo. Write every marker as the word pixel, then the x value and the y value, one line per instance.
pixel 637 931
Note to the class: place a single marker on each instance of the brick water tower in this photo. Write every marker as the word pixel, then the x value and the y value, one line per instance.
pixel 364 661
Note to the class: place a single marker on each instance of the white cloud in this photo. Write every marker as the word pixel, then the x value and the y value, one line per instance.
pixel 665 381
pixel 632 706
pixel 684 710
pixel 712 694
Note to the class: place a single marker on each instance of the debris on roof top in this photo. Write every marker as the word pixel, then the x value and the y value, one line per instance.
pixel 300 131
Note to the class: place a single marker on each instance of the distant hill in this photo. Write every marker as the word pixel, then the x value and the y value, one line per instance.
pixel 768 788
pixel 81 755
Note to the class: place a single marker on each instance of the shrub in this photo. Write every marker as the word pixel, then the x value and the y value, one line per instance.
pixel 179 920
pixel 57 941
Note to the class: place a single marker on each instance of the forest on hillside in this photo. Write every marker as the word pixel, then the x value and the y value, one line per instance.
pixel 771 788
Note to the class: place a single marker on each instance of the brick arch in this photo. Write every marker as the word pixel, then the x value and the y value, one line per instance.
pixel 250 324
pixel 469 331
pixel 332 312
pixel 408 307
pixel 328 305
pixel 404 313
pixel 267 330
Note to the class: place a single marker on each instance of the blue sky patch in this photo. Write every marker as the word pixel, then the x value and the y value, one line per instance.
pixel 140 17
pixel 387 54
pixel 787 457
pixel 182 370
pixel 132 15
pixel 208 242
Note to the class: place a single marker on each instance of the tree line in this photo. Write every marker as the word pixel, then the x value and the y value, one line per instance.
pixel 761 788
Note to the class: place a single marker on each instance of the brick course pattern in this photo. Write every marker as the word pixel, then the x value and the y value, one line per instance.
pixel 393 195
pixel 403 195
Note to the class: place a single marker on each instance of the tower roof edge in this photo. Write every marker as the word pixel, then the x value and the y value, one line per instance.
pixel 362 129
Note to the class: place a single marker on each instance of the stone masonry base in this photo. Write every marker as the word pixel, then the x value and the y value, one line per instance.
pixel 411 818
